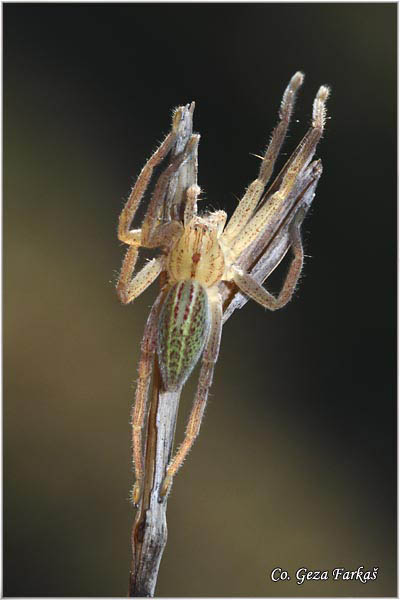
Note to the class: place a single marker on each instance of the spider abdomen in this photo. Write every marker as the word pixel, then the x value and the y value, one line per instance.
pixel 182 333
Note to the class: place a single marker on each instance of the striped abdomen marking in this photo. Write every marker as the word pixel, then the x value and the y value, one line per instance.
pixel 182 333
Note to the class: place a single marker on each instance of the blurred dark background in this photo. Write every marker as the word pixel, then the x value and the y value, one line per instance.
pixel 295 464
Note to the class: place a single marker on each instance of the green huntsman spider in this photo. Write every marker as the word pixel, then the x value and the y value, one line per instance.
pixel 198 254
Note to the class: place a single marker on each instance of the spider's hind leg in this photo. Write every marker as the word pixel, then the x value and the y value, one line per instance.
pixel 209 359
pixel 148 349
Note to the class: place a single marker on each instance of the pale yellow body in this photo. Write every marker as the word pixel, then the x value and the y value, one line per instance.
pixel 197 254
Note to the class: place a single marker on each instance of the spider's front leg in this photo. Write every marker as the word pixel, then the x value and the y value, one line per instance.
pixel 128 288
pixel 127 215
pixel 250 200
pixel 270 215
pixel 209 359
pixel 151 235
pixel 257 292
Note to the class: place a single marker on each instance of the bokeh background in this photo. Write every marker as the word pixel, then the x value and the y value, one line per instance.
pixel 295 464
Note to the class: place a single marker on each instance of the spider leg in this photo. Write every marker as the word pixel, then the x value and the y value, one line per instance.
pixel 257 292
pixel 249 202
pixel 130 208
pixel 209 359
pixel 148 348
pixel 151 235
pixel 276 207
pixel 192 195
pixel 153 216
pixel 217 219
pixel 128 287
pixel 307 146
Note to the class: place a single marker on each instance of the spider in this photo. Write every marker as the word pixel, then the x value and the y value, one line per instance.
pixel 198 254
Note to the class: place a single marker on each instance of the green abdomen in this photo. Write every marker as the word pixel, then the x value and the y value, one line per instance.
pixel 182 332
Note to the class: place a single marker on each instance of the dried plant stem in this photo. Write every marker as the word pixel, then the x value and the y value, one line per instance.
pixel 149 534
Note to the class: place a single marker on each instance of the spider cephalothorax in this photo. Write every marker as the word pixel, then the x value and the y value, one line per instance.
pixel 200 253
pixel 197 253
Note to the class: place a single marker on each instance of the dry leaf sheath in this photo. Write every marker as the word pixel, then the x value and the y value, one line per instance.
pixel 208 267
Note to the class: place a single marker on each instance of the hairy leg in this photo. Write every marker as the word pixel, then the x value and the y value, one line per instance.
pixel 128 287
pixel 152 233
pixel 305 151
pixel 257 292
pixel 148 348
pixel 192 194
pixel 209 359
pixel 248 204
pixel 278 203
pixel 153 216
pixel 130 208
